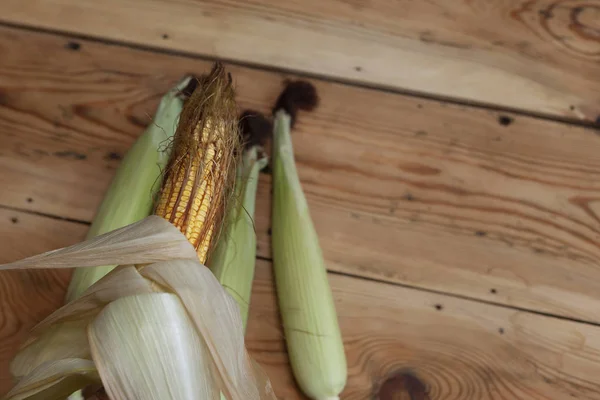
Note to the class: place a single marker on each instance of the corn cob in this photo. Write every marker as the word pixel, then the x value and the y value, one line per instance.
pixel 194 192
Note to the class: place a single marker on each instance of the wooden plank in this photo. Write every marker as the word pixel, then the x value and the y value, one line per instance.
pixel 447 347
pixel 26 297
pixel 538 56
pixel 455 199
pixel 456 349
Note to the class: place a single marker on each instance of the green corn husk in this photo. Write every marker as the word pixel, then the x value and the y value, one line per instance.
pixel 233 260
pixel 133 189
pixel 312 333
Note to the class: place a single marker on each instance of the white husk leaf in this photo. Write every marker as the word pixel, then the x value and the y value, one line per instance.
pixel 214 312
pixel 146 348
pixel 125 281
pixel 150 240
pixel 62 333
pixel 166 262
pixel 59 342
pixel 55 380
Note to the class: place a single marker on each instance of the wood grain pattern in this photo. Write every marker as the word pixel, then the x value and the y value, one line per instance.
pixel 455 199
pixel 26 297
pixel 540 55
pixel 436 346
pixel 450 348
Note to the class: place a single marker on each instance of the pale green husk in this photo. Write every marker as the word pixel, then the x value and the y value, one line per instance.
pixel 306 304
pixel 234 257
pixel 133 189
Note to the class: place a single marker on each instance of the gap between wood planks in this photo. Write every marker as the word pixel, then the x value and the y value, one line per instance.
pixel 355 276
pixel 45 215
pixel 304 74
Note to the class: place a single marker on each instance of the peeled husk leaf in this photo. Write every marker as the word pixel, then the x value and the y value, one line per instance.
pixel 147 241
pixel 165 263
pixel 143 327
pixel 55 380
pixel 57 342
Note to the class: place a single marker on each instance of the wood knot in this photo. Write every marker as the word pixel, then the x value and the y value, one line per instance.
pixel 402 386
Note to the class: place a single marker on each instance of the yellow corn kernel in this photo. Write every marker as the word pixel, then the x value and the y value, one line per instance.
pixel 199 175
pixel 189 190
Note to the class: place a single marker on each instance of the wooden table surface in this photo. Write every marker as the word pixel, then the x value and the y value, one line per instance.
pixel 452 170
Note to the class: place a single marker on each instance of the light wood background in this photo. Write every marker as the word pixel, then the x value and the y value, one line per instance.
pixel 540 55
pixel 462 241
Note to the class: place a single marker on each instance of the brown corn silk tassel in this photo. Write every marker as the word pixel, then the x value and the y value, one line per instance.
pixel 201 170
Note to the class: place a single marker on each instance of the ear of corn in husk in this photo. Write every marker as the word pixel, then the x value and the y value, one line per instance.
pixel 306 303
pixel 235 254
pixel 133 189
pixel 160 300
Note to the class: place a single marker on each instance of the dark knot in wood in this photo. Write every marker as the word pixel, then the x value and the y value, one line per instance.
pixel 402 386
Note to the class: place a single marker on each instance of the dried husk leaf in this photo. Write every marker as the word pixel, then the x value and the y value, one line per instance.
pixel 55 380
pixel 125 281
pixel 146 348
pixel 213 313
pixel 57 342
pixel 62 333
pixel 150 240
